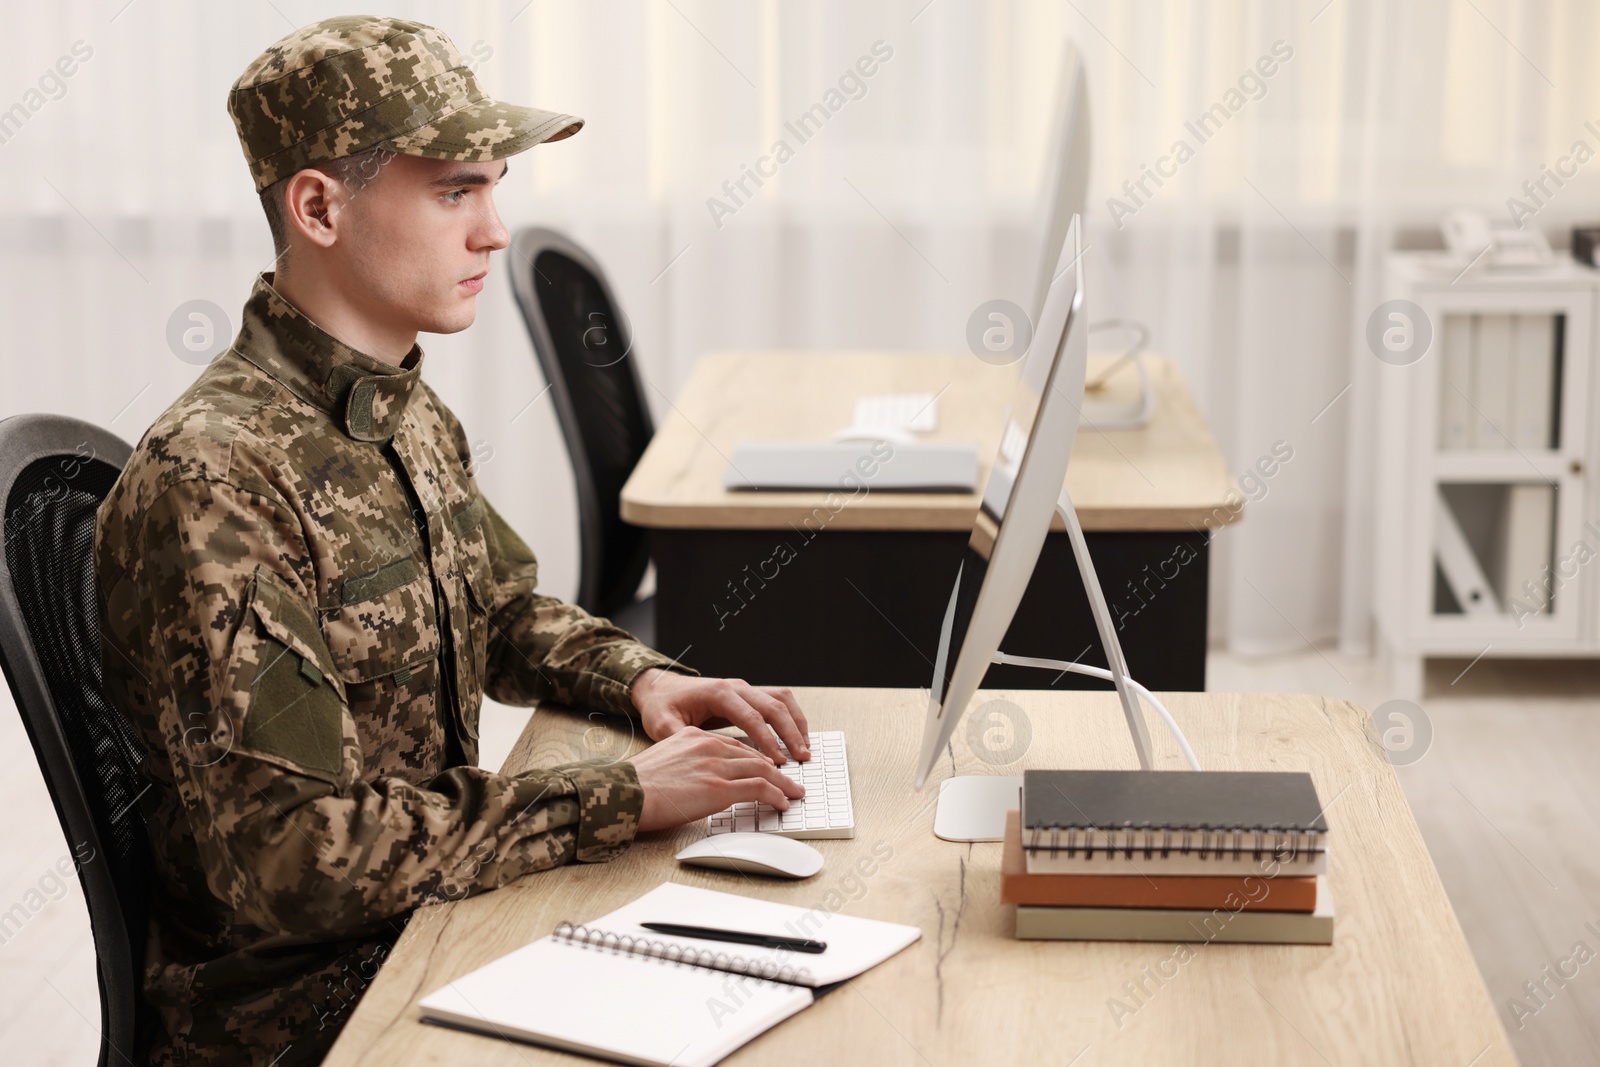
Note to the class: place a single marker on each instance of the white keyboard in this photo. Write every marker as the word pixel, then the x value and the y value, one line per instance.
pixel 918 412
pixel 825 810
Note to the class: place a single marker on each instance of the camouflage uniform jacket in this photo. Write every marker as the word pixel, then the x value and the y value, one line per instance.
pixel 303 599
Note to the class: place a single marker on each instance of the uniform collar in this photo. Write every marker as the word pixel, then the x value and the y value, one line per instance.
pixel 364 394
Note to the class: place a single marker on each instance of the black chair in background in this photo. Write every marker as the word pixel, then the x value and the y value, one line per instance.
pixel 584 345
pixel 54 472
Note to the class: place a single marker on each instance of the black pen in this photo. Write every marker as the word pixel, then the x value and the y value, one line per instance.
pixel 711 933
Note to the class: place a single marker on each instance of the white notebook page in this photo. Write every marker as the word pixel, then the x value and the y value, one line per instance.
pixel 636 1008
pixel 632 1009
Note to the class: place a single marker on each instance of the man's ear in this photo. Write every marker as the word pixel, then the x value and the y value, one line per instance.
pixel 313 202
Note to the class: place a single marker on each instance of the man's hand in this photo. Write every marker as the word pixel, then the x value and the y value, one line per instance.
pixel 692 774
pixel 669 702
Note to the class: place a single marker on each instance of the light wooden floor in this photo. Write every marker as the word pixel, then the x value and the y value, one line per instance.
pixel 1506 793
pixel 1508 800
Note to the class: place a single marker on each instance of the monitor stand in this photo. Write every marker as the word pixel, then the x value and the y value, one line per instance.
pixel 973 807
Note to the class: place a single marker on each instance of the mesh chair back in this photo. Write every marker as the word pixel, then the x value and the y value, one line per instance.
pixel 54 472
pixel 583 342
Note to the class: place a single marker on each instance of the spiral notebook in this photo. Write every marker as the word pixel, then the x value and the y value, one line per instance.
pixel 612 989
pixel 1173 822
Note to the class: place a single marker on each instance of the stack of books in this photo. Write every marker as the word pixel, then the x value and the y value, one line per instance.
pixel 1181 856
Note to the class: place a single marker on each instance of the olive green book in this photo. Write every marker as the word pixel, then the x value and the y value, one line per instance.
pixel 1035 922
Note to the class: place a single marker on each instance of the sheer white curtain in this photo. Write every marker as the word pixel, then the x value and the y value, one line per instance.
pixel 123 194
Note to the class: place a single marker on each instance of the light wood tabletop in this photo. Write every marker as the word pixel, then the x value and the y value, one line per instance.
pixel 1167 475
pixel 1398 984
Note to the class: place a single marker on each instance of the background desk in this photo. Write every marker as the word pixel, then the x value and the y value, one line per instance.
pixel 859 602
pixel 1398 985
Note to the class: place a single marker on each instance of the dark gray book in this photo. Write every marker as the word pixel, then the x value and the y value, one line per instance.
pixel 1074 819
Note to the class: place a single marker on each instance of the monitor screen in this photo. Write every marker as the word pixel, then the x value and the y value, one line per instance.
pixel 1025 475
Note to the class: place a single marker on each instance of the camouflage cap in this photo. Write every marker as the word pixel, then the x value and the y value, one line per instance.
pixel 344 85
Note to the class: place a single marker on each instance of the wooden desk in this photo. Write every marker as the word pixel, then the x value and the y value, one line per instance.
pixel 1398 985
pixel 864 579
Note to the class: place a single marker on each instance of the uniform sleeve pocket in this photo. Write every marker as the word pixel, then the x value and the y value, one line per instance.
pixel 295 713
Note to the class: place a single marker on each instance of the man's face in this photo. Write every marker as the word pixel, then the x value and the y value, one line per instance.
pixel 416 239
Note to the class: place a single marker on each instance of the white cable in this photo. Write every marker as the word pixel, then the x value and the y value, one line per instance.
pixel 1105 676
pixel 1135 353
pixel 1138 335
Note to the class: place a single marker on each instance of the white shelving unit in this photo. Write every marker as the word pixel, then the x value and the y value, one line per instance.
pixel 1487 540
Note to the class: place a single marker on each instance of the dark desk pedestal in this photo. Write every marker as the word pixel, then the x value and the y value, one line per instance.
pixel 863 608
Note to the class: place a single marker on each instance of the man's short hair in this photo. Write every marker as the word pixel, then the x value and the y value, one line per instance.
pixel 355 172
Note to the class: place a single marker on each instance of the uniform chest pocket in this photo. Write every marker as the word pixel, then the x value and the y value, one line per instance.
pixel 477 576
pixel 384 624
pixel 473 553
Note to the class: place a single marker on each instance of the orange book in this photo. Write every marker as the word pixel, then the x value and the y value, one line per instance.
pixel 1249 893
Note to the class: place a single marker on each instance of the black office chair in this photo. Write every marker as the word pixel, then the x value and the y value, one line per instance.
pixel 54 472
pixel 584 345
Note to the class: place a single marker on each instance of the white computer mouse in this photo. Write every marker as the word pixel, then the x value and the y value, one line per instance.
pixel 754 853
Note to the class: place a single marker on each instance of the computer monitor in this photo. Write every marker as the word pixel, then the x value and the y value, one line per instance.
pixel 1025 487
pixel 1019 497
pixel 1066 193
pixel 1067 176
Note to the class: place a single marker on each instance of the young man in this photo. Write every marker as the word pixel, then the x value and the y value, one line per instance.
pixel 304 596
